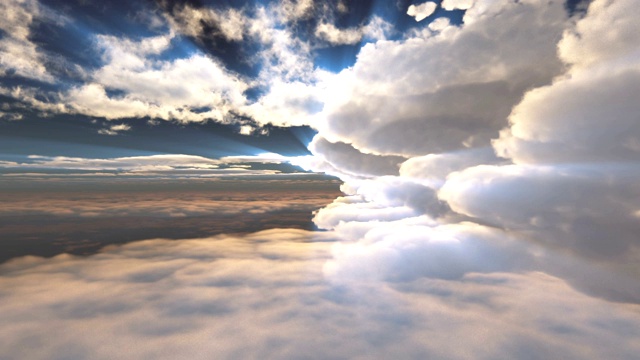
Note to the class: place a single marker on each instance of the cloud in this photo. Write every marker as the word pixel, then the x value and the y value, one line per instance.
pixel 194 298
pixel 400 99
pixel 114 129
pixel 404 251
pixel 287 74
pixel 171 90
pixel 161 164
pixel 433 169
pixel 570 127
pixel 439 24
pixel 343 157
pixel 376 29
pixel 457 4
pixel 538 149
pixel 286 103
pixel 574 183
pixel 18 54
pixel 587 209
pixel 334 35
pixel 421 11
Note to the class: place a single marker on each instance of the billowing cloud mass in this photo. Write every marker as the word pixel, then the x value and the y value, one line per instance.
pixel 169 90
pixel 457 4
pixel 421 11
pixel 517 145
pixel 375 29
pixel 421 103
pixel 272 294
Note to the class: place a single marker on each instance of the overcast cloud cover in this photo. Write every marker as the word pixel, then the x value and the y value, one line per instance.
pixel 491 179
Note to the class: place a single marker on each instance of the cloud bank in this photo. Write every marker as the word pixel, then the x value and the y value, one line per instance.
pixel 530 137
pixel 266 295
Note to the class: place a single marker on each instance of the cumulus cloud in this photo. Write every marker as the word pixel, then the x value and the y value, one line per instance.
pixel 590 113
pixel 439 24
pixel 401 99
pixel 171 90
pixel 538 149
pixel 574 182
pixel 286 103
pixel 421 11
pixel 584 208
pixel 433 169
pixel 205 297
pixel 287 74
pixel 293 10
pixel 457 4
pixel 198 22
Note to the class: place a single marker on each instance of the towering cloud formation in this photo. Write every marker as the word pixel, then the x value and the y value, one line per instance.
pixel 574 143
pixel 522 143
pixel 446 92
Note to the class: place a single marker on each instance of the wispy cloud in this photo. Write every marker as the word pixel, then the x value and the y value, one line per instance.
pixel 167 164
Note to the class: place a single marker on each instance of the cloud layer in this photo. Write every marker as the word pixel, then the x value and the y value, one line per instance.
pixel 266 295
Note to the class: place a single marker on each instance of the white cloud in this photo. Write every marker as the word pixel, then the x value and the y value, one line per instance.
pixel 439 24
pixel 590 114
pixel 194 298
pixel 294 10
pixel 594 39
pixel 457 4
pixel 286 103
pixel 587 209
pixel 170 90
pixel 433 169
pixel 114 129
pixel 443 92
pixel 574 185
pixel 376 29
pixel 334 35
pixel 422 11
pixel 565 124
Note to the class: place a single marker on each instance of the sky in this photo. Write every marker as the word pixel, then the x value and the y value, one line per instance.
pixel 306 179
